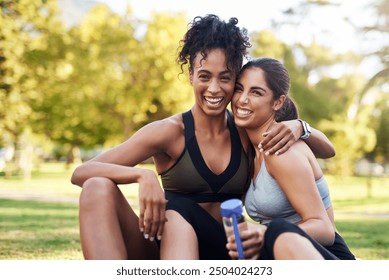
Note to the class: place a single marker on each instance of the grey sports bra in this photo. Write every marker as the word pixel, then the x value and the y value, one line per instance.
pixel 265 199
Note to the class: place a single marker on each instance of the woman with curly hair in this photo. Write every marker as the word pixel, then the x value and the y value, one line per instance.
pixel 201 157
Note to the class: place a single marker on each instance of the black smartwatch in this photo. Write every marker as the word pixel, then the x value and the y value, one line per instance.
pixel 307 130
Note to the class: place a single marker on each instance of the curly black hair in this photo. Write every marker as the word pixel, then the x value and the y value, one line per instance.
pixel 209 32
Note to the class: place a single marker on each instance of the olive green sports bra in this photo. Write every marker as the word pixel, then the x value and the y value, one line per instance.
pixel 191 177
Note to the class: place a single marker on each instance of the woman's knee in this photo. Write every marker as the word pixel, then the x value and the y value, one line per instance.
pixel 276 228
pixel 97 189
pixel 293 246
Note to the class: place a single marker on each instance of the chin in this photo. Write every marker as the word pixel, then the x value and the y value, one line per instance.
pixel 215 111
pixel 241 123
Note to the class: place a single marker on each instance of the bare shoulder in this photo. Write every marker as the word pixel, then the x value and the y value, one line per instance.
pixel 292 158
pixel 167 128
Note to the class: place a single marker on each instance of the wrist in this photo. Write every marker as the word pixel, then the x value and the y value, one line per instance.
pixel 142 174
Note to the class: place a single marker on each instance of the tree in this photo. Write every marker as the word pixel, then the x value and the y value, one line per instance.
pixel 379 31
pixel 110 78
pixel 22 26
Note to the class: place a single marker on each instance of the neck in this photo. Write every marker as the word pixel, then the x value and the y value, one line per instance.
pixel 255 133
pixel 209 124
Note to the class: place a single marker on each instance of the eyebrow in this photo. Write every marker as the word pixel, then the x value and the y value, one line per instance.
pixel 251 88
pixel 260 88
pixel 221 73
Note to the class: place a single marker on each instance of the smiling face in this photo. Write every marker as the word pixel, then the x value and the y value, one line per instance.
pixel 212 81
pixel 252 103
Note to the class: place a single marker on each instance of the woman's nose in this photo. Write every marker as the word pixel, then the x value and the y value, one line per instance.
pixel 214 87
pixel 243 98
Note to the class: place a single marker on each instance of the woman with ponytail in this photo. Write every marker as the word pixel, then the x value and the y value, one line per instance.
pixel 288 194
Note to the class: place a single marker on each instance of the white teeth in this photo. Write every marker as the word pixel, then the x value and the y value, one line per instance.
pixel 243 111
pixel 213 100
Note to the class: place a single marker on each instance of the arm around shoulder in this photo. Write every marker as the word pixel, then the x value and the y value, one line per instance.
pixel 320 145
pixel 317 141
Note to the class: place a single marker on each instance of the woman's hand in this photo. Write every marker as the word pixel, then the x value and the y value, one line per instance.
pixel 152 205
pixel 252 242
pixel 281 137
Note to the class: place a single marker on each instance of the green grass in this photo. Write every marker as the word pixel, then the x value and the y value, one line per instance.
pixel 32 229
pixel 367 237
pixel 38 230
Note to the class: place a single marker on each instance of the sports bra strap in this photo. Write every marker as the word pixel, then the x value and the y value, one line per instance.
pixel 189 125
pixel 190 128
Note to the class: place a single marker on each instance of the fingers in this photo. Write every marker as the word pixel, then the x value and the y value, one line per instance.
pixel 276 141
pixel 251 248
pixel 231 247
pixel 163 221
pixel 252 242
pixel 273 143
pixel 147 220
pixel 141 216
pixel 158 221
pixel 152 219
pixel 283 149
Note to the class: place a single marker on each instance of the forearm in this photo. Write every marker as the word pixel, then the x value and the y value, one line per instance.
pixel 283 135
pixel 320 145
pixel 119 174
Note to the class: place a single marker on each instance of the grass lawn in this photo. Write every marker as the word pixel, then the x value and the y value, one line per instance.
pixel 33 229
pixel 38 230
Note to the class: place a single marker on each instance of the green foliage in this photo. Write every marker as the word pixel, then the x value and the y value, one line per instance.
pixel 94 83
pixel 351 138
pixel 97 82
pixel 334 104
pixel 379 120
pixel 22 24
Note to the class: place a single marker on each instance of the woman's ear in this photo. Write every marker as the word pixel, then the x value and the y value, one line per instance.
pixel 279 103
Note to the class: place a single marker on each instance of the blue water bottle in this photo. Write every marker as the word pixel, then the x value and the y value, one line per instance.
pixel 233 220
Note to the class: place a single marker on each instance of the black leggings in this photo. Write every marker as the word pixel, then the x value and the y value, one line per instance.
pixel 210 233
pixel 337 251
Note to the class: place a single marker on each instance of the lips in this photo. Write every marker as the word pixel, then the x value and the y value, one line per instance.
pixel 213 100
pixel 243 112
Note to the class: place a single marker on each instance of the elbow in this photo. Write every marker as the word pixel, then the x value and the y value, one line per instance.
pixel 328 234
pixel 329 237
pixel 327 152
pixel 332 151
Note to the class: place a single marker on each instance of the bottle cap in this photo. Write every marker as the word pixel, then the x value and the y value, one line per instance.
pixel 231 207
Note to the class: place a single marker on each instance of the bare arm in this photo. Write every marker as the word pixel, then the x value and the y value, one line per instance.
pixel 298 184
pixel 297 181
pixel 118 164
pixel 283 135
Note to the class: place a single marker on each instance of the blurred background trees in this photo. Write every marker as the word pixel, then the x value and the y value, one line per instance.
pixel 67 92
